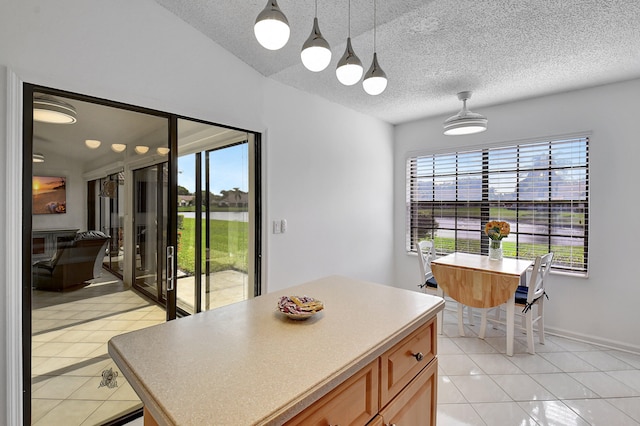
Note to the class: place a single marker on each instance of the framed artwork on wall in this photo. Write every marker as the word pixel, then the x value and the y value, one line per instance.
pixel 49 194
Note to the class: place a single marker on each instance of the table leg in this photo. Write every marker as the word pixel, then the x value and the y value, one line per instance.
pixel 511 309
pixel 460 319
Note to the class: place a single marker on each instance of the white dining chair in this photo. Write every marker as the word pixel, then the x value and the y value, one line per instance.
pixel 527 297
pixel 426 253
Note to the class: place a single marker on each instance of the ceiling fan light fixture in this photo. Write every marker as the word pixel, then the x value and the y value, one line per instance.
pixel 48 109
pixel 37 157
pixel 316 53
pixel 118 147
pixel 465 122
pixel 92 143
pixel 272 27
pixel 349 70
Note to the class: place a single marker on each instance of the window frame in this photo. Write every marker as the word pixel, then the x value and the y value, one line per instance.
pixel 556 204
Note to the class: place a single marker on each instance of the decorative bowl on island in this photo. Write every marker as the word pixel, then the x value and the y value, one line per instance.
pixel 299 307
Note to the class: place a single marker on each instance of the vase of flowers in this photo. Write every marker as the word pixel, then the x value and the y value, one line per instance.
pixel 496 230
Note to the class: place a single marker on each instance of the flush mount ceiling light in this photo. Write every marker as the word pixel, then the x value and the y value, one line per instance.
pixel 272 27
pixel 48 109
pixel 465 122
pixel 118 147
pixel 349 70
pixel 141 149
pixel 375 80
pixel 316 53
pixel 38 158
pixel 162 150
pixel 92 143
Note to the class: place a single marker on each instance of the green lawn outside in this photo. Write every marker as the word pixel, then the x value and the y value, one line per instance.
pixel 509 215
pixel 229 245
pixel 562 255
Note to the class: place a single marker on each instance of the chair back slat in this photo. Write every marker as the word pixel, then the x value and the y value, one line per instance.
pixel 425 255
pixel 541 268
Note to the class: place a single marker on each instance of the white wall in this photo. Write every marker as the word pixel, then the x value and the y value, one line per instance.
pixel 603 307
pixel 332 181
pixel 322 161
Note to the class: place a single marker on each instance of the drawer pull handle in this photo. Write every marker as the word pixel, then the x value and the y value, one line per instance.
pixel 419 357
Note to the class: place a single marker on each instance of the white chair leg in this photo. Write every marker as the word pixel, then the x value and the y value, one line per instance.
pixel 529 320
pixel 470 315
pixel 483 323
pixel 510 325
pixel 541 321
pixel 460 320
pixel 497 312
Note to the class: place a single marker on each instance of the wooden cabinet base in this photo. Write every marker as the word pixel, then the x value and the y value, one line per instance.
pixel 415 404
pixel 399 387
pixel 353 402
pixel 148 419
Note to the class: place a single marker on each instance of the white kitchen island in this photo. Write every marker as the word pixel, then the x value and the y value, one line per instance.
pixel 247 364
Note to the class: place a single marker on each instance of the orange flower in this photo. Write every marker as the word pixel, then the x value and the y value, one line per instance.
pixel 497 230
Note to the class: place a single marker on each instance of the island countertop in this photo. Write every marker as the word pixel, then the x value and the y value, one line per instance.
pixel 247 364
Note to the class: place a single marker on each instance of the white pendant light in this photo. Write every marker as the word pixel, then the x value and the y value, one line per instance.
pixel 375 80
pixel 465 122
pixel 349 70
pixel 316 53
pixel 48 109
pixel 272 27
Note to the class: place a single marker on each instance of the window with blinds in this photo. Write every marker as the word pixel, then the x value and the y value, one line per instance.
pixel 540 188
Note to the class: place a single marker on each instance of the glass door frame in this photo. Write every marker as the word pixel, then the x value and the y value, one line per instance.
pixel 28 90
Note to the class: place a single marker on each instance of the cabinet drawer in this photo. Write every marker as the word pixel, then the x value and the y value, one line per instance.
pixel 415 404
pixel 353 402
pixel 400 364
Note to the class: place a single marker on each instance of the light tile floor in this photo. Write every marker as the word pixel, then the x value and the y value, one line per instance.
pixel 69 348
pixel 565 383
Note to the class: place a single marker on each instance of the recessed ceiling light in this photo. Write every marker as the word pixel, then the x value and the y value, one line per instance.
pixel 92 143
pixel 48 109
pixel 118 147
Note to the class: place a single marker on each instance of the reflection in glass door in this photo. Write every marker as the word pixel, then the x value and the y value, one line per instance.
pixel 216 216
pixel 150 188
pixel 109 196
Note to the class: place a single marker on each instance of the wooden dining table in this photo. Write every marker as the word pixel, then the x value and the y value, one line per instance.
pixel 477 281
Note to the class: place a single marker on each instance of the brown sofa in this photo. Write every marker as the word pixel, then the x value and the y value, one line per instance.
pixel 73 264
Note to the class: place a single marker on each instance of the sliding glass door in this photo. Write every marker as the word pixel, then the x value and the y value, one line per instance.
pixel 150 212
pixel 179 203
pixel 216 216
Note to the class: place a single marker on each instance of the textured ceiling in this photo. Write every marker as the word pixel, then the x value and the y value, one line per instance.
pixel 501 50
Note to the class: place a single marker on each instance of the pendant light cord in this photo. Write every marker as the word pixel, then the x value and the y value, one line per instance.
pixel 374 26
pixel 349 15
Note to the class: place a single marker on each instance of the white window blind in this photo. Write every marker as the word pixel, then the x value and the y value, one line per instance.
pixel 540 188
